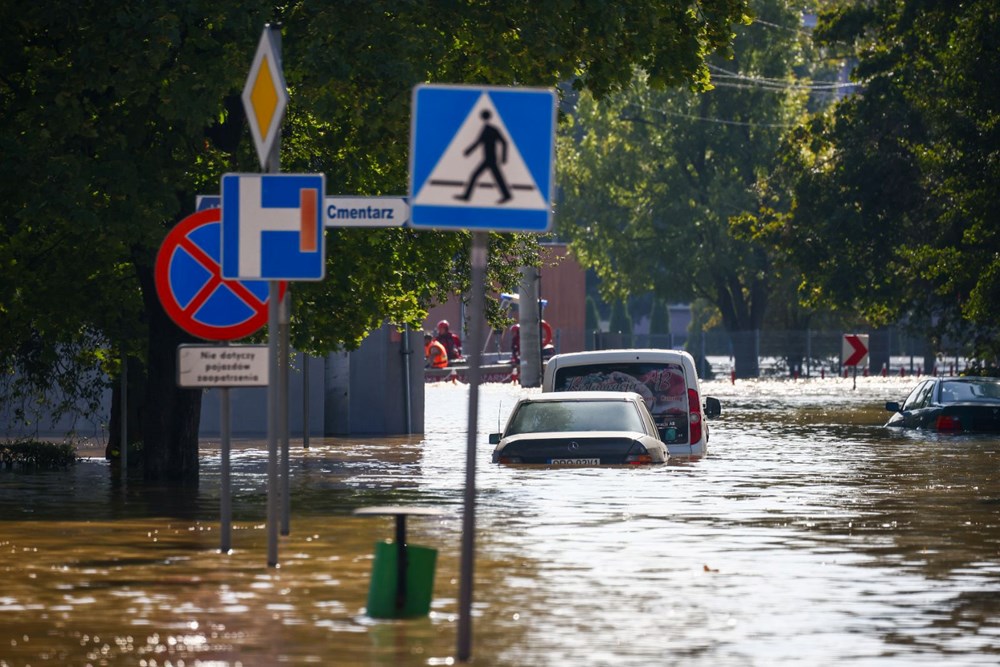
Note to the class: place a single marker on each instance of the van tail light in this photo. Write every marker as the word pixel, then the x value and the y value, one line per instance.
pixel 694 416
pixel 948 423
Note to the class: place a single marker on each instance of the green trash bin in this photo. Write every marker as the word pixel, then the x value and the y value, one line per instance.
pixel 386 598
pixel 402 580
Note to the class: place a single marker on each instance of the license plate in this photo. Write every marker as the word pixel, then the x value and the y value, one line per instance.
pixel 577 462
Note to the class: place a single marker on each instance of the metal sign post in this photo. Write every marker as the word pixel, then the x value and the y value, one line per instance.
pixel 272 229
pixel 225 484
pixel 286 501
pixel 272 426
pixel 223 366
pixel 305 400
pixel 123 409
pixel 265 97
pixel 481 159
pixel 478 297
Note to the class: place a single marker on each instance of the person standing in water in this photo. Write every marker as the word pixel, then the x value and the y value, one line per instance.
pixel 488 139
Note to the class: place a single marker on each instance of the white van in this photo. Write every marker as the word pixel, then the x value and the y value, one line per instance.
pixel 666 379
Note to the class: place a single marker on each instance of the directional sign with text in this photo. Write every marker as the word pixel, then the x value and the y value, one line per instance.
pixel 191 287
pixel 272 226
pixel 346 210
pixel 854 350
pixel 482 158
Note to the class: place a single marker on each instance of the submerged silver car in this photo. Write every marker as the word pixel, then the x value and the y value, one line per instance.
pixel 580 428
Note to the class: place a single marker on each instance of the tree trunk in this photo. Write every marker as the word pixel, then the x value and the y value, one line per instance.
pixel 171 416
pixel 745 358
pixel 742 314
pixel 878 350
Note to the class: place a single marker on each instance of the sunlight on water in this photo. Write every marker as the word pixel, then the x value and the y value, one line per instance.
pixel 809 535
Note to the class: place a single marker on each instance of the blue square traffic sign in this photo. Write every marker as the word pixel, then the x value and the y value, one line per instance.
pixel 482 158
pixel 272 226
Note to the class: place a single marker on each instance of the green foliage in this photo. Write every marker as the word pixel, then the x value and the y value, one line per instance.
pixel 652 179
pixel 659 318
pixel 115 115
pixel 35 455
pixel 889 200
pixel 621 322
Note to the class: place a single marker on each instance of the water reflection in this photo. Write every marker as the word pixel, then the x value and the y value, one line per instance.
pixel 809 535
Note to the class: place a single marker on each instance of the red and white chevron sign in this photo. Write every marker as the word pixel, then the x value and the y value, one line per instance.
pixel 854 351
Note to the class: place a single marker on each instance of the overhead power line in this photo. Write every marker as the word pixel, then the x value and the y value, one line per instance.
pixel 703 119
pixel 801 31
pixel 726 78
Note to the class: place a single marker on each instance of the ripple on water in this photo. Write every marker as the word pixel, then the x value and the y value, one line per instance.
pixel 811 534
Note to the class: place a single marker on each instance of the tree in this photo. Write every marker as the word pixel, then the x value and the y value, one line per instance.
pixel 888 206
pixel 659 324
pixel 116 114
pixel 652 179
pixel 620 323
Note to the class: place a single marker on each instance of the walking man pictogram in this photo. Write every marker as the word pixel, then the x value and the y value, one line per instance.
pixel 488 138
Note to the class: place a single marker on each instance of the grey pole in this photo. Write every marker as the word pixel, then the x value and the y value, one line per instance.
pixel 808 353
pixel 225 497
pixel 530 331
pixel 124 417
pixel 272 423
pixel 478 259
pixel 273 329
pixel 283 359
pixel 407 396
pixel 305 400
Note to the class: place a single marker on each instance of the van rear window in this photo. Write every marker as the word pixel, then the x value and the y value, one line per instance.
pixel 661 384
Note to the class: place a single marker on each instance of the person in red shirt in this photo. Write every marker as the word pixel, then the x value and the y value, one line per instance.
pixel 452 343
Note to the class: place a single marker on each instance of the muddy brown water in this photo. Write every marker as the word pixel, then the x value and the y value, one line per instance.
pixel 810 535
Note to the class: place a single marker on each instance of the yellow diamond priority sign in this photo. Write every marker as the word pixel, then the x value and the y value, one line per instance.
pixel 265 95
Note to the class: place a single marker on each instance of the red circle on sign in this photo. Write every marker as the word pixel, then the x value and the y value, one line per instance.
pixel 185 315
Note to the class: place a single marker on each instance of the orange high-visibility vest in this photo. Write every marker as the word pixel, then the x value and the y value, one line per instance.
pixel 436 354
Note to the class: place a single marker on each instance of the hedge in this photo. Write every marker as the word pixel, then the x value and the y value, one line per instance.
pixel 38 455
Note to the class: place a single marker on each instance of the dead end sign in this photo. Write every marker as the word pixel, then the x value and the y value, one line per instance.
pixel 192 290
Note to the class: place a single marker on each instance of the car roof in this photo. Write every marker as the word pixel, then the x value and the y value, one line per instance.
pixel 564 396
pixel 970 378
pixel 637 354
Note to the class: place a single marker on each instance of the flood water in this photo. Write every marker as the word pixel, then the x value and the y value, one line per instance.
pixel 809 535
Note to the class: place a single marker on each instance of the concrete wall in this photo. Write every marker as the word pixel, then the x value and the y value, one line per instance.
pixel 361 392
pixel 366 390
pixel 249 405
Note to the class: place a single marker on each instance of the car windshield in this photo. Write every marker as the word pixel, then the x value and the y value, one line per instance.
pixel 960 391
pixel 547 416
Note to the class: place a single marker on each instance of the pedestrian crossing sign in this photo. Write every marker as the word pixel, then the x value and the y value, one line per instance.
pixel 482 158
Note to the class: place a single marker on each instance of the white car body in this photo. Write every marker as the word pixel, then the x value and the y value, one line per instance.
pixel 580 428
pixel 666 379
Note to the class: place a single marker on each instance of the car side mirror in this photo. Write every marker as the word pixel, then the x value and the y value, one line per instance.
pixel 892 406
pixel 494 438
pixel 713 408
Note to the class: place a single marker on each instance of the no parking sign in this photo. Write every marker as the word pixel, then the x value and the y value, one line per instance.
pixel 192 290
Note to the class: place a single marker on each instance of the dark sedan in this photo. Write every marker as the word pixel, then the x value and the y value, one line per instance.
pixel 950 405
